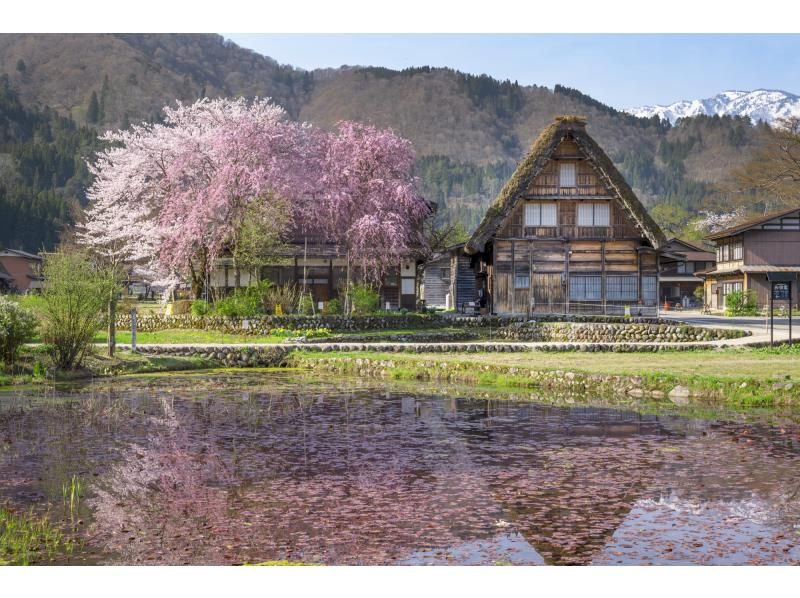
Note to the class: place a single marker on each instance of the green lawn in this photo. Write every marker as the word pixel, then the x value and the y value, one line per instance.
pixel 179 336
pixel 727 363
pixel 176 337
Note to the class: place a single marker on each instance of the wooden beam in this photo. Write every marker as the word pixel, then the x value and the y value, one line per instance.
pixel 603 275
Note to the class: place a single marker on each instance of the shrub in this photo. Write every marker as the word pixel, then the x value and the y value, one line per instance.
pixel 75 298
pixel 286 296
pixel 365 299
pixel 200 307
pixel 333 308
pixel 291 332
pixel 741 303
pixel 306 305
pixel 17 326
pixel 243 303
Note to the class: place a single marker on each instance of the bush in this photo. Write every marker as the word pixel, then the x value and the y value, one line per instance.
pixel 75 299
pixel 741 303
pixel 243 303
pixel 17 326
pixel 333 308
pixel 309 333
pixel 200 307
pixel 306 305
pixel 286 296
pixel 365 299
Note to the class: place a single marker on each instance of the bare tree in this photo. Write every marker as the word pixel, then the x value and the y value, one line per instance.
pixel 771 180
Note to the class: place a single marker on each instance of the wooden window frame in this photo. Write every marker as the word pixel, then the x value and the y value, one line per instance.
pixel 593 205
pixel 561 168
pixel 536 208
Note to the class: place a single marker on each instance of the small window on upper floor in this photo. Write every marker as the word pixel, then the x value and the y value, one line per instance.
pixel 541 214
pixel 594 214
pixel 567 174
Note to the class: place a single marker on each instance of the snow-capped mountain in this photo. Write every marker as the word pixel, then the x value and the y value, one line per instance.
pixel 762 104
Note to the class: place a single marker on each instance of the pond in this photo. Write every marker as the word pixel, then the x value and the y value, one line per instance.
pixel 264 466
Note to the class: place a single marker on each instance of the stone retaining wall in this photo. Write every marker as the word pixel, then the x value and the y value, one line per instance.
pixel 262 325
pixel 614 333
pixel 276 355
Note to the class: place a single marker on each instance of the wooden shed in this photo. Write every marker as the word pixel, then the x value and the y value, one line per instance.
pixel 449 279
pixel 567 234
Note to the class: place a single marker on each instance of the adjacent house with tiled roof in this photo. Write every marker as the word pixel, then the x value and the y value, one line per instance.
pixel 20 271
pixel 750 252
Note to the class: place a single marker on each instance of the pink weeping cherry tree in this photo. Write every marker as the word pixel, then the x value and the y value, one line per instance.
pixel 368 204
pixel 173 196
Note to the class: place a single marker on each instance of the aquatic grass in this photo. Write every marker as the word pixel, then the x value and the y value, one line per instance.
pixel 27 538
pixel 72 491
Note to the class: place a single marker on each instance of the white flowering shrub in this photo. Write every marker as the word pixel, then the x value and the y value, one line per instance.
pixel 17 327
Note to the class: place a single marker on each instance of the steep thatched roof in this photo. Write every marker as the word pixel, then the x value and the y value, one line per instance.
pixel 537 158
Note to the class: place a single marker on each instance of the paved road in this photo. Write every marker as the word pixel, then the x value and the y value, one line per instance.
pixel 759 326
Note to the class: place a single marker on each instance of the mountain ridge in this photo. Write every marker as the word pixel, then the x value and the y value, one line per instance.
pixel 468 130
pixel 768 105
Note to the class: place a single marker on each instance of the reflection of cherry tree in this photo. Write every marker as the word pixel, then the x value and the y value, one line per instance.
pixel 364 479
pixel 162 495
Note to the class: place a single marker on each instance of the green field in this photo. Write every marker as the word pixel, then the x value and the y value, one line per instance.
pixel 177 337
pixel 725 363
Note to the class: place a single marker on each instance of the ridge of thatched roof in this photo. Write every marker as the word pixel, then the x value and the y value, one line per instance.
pixel 534 162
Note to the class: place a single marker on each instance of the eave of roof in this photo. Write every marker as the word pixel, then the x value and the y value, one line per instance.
pixel 748 224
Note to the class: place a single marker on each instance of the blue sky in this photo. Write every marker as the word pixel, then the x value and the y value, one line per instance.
pixel 621 70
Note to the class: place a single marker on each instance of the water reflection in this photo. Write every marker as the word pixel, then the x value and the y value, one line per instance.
pixel 255 468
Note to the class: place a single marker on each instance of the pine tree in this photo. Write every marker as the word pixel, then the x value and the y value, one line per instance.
pixel 103 98
pixel 93 113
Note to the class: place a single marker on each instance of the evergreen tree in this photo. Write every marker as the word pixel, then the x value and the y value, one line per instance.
pixel 93 113
pixel 21 67
pixel 104 91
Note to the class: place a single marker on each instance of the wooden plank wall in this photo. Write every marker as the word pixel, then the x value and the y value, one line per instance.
pixel 435 286
pixel 465 280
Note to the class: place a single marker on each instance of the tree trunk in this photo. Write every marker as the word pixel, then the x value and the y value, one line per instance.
pixel 112 324
pixel 347 306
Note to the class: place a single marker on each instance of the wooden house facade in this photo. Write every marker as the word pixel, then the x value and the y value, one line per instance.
pixel 566 234
pixel 321 270
pixel 747 254
pixel 681 264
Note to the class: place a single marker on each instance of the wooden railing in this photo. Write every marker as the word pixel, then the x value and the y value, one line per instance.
pixel 573 232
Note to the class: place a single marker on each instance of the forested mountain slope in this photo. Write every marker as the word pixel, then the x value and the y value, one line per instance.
pixel 468 130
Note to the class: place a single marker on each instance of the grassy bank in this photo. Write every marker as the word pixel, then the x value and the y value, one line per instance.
pixel 757 377
pixel 35 367
pixel 189 337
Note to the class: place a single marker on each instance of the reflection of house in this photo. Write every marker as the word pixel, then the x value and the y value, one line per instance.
pixel 20 271
pixel 323 271
pixel 678 264
pixel 749 252
pixel 449 280
pixel 567 234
